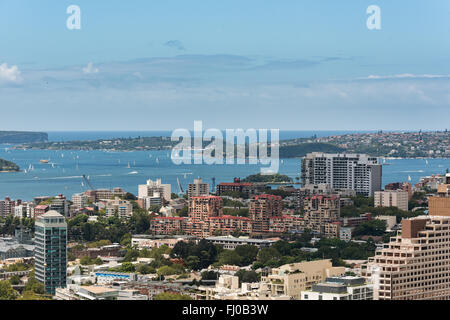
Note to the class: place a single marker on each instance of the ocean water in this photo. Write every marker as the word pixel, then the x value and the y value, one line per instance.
pixel 129 169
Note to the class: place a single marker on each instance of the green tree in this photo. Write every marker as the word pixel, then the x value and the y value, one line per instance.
pixel 7 292
pixel 171 296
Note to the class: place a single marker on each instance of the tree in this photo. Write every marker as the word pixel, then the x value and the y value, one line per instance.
pixel 210 275
pixel 370 228
pixel 14 280
pixel 166 271
pixel 127 267
pixel 192 262
pixel 266 254
pixel 171 296
pixel 230 257
pixel 7 292
pixel 247 276
pixel 248 254
pixel 145 269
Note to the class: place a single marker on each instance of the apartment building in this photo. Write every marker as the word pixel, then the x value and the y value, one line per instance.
pixel 51 251
pixel 358 172
pixel 322 214
pixel 249 189
pixel 414 265
pixel 152 187
pixel 262 208
pixel 404 186
pixel 80 200
pixel 392 198
pixel 228 288
pixel 123 208
pixel 292 279
pixel 104 194
pixel 340 288
pixel 7 207
pixel 197 189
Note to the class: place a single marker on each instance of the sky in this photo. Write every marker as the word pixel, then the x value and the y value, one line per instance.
pixel 160 65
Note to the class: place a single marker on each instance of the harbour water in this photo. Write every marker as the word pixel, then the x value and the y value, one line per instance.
pixel 63 173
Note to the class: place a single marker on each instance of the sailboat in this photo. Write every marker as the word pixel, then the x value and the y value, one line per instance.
pixel 157 161
pixel 426 162
pixel 409 178
pixel 128 166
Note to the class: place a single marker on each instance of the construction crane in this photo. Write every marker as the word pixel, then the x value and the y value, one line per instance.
pixel 88 182
pixel 179 186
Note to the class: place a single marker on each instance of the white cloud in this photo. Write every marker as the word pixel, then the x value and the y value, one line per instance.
pixel 90 69
pixel 9 74
pixel 406 76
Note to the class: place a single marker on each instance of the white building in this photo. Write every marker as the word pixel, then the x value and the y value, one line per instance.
pixel 123 208
pixel 80 200
pixel 340 288
pixel 358 172
pixel 152 187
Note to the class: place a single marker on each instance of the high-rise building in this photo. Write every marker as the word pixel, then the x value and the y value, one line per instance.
pixel 358 172
pixel 148 190
pixel 322 214
pixel 60 204
pixel 392 198
pixel 262 209
pixel 198 188
pixel 51 251
pixel 414 265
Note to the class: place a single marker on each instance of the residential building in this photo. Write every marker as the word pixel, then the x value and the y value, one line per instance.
pixel 392 198
pixel 230 243
pixel 340 288
pixel 440 204
pixel 262 208
pixel 414 265
pixel 123 208
pixel 358 172
pixel 198 188
pixel 152 187
pixel 51 250
pixel 80 200
pixel 322 214
pixel 60 205
pixel 249 189
pixel 292 279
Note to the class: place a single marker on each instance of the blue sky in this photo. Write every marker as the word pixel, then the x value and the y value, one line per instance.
pixel 155 65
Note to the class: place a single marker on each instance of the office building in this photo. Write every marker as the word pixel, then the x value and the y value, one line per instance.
pixel 358 172
pixel 51 251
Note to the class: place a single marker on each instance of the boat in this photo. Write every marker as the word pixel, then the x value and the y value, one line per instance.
pixel 44 161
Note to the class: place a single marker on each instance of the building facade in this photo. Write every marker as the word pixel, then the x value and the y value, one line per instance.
pixel 358 172
pixel 51 251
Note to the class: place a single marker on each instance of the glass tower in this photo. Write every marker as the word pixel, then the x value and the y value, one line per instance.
pixel 51 251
